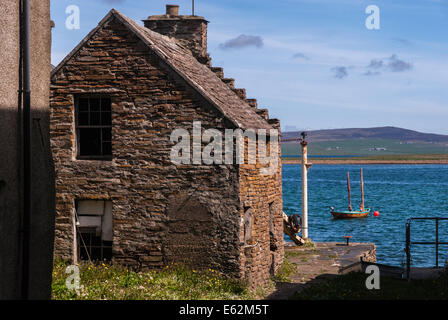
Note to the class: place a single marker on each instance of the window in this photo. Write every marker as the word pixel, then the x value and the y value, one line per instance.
pixel 94 128
pixel 273 243
pixel 247 220
pixel 272 237
pixel 94 230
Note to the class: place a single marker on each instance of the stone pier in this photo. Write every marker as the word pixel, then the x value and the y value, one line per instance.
pixel 322 261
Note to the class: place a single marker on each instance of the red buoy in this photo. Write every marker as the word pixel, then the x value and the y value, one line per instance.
pixel 376 214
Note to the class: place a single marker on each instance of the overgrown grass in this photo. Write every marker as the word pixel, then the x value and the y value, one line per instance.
pixel 286 271
pixel 352 287
pixel 309 244
pixel 300 253
pixel 115 282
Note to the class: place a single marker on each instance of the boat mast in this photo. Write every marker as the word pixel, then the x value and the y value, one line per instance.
pixel 362 192
pixel 348 188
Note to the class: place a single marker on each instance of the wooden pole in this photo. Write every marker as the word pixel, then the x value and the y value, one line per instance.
pixel 362 192
pixel 304 190
pixel 349 196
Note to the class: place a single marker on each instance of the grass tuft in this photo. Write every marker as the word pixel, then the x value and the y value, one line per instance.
pixel 102 281
pixel 286 271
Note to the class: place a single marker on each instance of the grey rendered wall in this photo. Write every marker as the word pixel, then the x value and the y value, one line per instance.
pixel 42 221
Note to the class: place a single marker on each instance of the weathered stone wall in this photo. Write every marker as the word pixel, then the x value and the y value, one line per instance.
pixel 263 256
pixel 162 212
pixel 150 195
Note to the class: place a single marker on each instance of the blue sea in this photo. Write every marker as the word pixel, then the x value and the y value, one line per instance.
pixel 398 192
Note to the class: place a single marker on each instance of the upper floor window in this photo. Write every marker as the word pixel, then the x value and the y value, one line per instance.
pixel 94 127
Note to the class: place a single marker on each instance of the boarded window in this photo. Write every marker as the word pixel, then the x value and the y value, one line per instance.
pixel 94 226
pixel 247 221
pixel 94 127
pixel 272 237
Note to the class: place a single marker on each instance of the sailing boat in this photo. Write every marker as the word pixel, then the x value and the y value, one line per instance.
pixel 361 213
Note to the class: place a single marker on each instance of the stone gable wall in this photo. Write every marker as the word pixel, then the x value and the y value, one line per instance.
pixel 162 212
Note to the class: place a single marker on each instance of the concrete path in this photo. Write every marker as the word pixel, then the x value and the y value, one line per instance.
pixel 323 261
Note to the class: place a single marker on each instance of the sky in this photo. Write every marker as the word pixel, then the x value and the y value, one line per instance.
pixel 313 63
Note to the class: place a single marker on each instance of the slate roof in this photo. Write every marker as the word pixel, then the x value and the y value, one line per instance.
pixel 196 74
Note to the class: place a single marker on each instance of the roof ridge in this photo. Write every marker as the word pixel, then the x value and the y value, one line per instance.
pixel 193 83
pixel 199 76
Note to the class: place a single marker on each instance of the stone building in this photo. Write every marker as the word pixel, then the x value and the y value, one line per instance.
pixel 11 149
pixel 116 99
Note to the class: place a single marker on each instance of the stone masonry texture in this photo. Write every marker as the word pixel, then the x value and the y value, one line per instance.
pixel 162 212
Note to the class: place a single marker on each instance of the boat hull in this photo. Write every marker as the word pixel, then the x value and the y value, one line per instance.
pixel 350 214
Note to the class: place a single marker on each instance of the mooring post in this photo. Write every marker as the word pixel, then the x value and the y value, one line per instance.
pixel 437 242
pixel 305 168
pixel 408 250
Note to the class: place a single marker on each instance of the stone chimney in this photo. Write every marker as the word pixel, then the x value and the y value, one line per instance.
pixel 191 31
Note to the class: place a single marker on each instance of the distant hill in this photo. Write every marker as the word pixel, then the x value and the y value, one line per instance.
pixel 367 141
pixel 370 133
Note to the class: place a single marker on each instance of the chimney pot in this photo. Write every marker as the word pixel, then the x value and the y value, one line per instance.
pixel 172 10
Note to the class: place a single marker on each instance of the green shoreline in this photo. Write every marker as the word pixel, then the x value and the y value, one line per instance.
pixel 384 159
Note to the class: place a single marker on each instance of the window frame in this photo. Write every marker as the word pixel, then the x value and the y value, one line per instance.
pixel 248 225
pixel 78 128
pixel 85 236
pixel 272 236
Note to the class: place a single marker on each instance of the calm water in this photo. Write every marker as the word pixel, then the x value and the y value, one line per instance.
pixel 396 191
